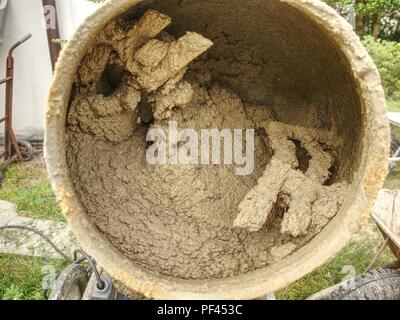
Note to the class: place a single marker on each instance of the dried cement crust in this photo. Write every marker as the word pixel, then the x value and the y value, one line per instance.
pixel 181 220
pixel 308 200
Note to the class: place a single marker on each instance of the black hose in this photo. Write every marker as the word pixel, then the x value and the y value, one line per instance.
pixel 100 282
pixel 51 243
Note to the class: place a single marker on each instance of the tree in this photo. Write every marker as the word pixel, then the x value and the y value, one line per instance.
pixel 379 18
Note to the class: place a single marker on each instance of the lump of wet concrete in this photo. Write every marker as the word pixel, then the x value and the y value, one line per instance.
pixel 166 101
pixel 257 205
pixel 178 220
pixel 111 113
pixel 309 197
pixel 89 73
pixel 177 56
pixel 126 42
pixel 111 118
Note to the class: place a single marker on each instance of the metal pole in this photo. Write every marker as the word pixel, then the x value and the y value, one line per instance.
pixel 9 102
pixel 9 137
pixel 50 14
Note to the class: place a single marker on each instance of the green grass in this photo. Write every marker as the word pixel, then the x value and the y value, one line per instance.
pixel 22 279
pixel 28 187
pixel 353 260
pixel 393 106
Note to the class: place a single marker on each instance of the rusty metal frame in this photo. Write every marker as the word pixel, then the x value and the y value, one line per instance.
pixel 12 151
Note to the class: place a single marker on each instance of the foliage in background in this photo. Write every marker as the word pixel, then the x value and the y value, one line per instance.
pixel 379 18
pixel 386 55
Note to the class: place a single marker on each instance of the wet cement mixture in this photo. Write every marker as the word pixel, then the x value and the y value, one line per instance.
pixel 189 221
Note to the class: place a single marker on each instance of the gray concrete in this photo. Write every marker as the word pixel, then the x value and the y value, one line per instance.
pixel 25 243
